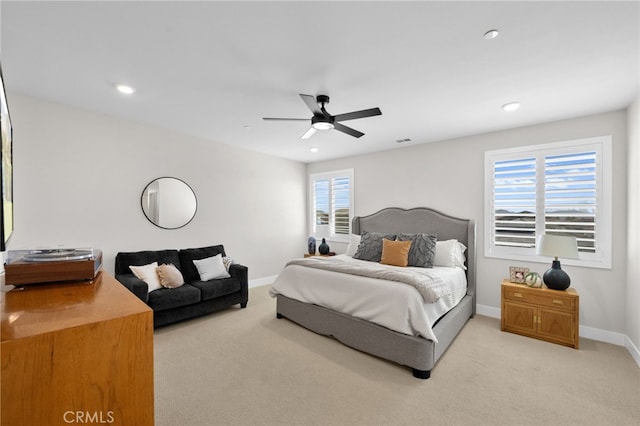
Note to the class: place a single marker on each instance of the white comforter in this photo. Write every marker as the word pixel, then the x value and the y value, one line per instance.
pixel 391 304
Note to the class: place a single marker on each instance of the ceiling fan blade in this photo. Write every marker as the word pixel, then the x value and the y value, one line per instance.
pixel 348 130
pixel 284 119
pixel 358 114
pixel 308 133
pixel 312 104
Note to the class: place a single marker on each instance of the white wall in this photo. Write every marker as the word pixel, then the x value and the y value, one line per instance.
pixel 79 177
pixel 448 176
pixel 633 255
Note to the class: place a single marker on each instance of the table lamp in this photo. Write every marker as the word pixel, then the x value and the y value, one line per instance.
pixel 557 246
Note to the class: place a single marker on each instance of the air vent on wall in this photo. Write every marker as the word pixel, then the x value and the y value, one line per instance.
pixel 403 140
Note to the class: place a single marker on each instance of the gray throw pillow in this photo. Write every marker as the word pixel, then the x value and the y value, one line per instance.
pixel 370 247
pixel 423 249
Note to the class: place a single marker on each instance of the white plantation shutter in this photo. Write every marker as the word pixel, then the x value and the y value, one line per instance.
pixel 570 194
pixel 332 204
pixel 341 202
pixel 321 203
pixel 560 188
pixel 514 195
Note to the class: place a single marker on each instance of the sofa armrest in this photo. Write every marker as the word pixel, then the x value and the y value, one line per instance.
pixel 135 285
pixel 241 273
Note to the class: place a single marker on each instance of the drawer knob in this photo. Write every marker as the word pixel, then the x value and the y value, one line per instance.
pixel 558 302
pixel 517 294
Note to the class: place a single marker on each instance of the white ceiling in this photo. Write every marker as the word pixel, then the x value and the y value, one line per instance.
pixel 214 69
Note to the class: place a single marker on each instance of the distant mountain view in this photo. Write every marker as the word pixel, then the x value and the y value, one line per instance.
pixel 517 229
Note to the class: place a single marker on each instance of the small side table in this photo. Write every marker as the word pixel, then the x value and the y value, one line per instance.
pixel 541 313
pixel 317 255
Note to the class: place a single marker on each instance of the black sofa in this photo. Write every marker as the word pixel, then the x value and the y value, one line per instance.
pixel 192 299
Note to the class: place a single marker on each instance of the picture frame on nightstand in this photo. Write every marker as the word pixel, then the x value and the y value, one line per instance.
pixel 517 274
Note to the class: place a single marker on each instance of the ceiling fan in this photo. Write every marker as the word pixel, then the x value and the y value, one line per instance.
pixel 322 120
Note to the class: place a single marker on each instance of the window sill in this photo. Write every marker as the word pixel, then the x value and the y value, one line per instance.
pixel 547 261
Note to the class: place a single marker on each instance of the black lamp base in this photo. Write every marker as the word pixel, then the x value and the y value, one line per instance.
pixel 555 278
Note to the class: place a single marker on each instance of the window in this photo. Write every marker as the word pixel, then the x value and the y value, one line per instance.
pixel 560 188
pixel 331 204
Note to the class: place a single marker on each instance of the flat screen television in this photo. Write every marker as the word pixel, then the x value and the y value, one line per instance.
pixel 6 159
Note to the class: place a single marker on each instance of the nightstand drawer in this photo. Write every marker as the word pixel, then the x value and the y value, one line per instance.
pixel 541 298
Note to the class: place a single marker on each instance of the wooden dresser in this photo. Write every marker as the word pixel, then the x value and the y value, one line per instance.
pixel 544 314
pixel 74 353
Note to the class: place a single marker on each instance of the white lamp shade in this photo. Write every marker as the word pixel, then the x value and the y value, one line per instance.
pixel 557 246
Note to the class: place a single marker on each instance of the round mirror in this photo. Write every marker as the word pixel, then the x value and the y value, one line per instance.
pixel 169 203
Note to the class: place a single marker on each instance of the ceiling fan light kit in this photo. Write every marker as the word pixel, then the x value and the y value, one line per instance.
pixel 322 120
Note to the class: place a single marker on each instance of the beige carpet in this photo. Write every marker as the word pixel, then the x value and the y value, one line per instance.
pixel 245 367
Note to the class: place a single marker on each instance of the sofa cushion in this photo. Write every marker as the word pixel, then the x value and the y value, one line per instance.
pixel 167 298
pixel 187 256
pixel 139 258
pixel 216 288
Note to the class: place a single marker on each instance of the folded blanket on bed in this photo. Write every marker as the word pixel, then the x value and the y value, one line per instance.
pixel 431 288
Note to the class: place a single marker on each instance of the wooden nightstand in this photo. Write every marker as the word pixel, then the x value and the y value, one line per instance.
pixel 541 313
pixel 317 255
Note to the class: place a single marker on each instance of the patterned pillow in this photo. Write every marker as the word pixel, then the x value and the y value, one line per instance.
pixel 423 249
pixel 370 247
pixel 228 261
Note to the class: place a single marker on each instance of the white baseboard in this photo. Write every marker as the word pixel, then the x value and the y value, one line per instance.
pixel 612 337
pixel 258 282
pixel 635 353
pixel 488 311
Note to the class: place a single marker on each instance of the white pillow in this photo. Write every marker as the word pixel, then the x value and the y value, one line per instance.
pixel 211 268
pixel 354 242
pixel 148 274
pixel 450 253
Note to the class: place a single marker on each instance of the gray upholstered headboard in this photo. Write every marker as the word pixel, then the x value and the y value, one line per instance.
pixel 427 221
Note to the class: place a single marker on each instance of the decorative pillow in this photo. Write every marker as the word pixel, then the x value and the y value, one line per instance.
pixel 450 253
pixel 148 274
pixel 170 276
pixel 395 253
pixel 227 261
pixel 211 268
pixel 354 241
pixel 187 256
pixel 423 249
pixel 370 247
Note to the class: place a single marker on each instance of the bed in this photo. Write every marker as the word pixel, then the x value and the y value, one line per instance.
pixel 419 350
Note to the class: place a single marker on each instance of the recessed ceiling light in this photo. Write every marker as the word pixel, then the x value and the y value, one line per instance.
pixel 127 90
pixel 314 149
pixel 491 34
pixel 511 106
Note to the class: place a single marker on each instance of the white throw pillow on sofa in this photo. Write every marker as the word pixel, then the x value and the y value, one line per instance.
pixel 211 268
pixel 148 274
